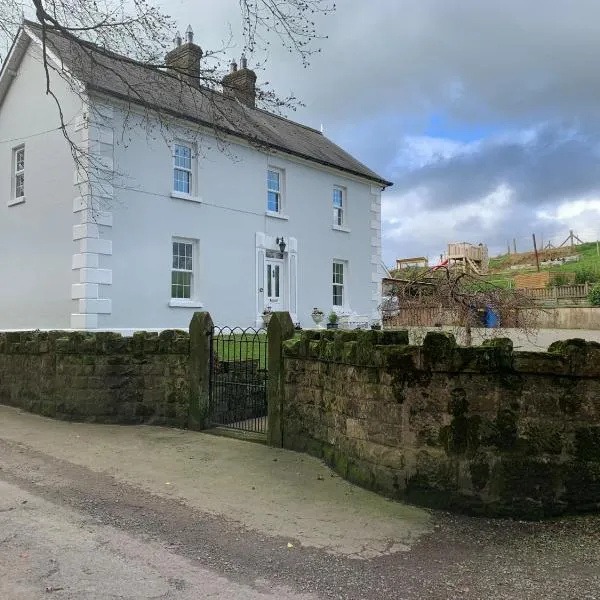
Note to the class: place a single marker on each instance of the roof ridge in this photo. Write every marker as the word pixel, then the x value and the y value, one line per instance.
pixel 118 55
pixel 294 138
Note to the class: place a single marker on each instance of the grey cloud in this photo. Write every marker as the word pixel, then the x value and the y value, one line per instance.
pixel 510 59
pixel 499 65
pixel 552 167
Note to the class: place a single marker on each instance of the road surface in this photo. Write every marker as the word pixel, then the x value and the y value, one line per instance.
pixel 139 513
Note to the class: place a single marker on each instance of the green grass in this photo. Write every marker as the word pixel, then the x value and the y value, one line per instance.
pixel 241 347
pixel 587 269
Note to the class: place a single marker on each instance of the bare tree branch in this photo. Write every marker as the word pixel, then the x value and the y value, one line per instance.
pixel 123 39
pixel 448 297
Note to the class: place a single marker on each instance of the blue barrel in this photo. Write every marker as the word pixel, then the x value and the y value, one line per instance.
pixel 492 319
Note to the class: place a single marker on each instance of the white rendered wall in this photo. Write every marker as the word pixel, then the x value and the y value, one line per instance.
pixel 36 237
pixel 231 188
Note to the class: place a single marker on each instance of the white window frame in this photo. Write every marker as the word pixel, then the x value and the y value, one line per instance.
pixel 339 212
pixel 281 193
pixel 192 301
pixel 343 209
pixel 16 173
pixel 343 285
pixel 192 171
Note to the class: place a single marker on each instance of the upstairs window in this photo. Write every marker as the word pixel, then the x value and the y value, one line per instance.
pixel 19 173
pixel 182 273
pixel 339 206
pixel 274 178
pixel 182 169
pixel 338 283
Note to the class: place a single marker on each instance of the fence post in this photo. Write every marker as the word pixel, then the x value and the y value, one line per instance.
pixel 280 328
pixel 201 328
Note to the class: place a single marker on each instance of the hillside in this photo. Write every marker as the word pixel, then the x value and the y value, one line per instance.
pixel 582 260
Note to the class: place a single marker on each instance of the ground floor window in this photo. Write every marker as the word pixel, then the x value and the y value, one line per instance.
pixel 339 269
pixel 182 272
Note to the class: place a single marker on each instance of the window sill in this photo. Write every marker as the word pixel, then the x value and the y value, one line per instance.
pixel 15 201
pixel 341 228
pixel 276 215
pixel 182 196
pixel 182 303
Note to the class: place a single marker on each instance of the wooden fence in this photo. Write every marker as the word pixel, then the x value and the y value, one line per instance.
pixel 560 292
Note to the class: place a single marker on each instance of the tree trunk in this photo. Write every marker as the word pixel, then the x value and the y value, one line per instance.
pixel 468 333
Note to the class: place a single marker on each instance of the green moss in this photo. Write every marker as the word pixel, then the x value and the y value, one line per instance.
pixel 587 444
pixel 399 357
pixel 568 402
pixel 458 404
pixel 582 486
pixel 541 439
pixel 359 473
pixel 395 338
pixel 314 349
pixel 503 343
pixel 438 347
pixel 293 347
pixel 567 346
pixel 461 436
pixel 340 463
pixel 349 352
pixel 527 487
pixel 480 473
pixel 510 381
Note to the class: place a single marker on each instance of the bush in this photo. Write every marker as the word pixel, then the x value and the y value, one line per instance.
pixel 585 274
pixel 559 279
pixel 594 295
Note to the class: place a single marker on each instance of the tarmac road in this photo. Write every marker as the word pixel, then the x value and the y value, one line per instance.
pixel 102 512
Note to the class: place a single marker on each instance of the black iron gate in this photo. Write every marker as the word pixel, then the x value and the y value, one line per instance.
pixel 238 379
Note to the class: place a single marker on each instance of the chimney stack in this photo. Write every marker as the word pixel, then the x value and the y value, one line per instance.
pixel 241 83
pixel 184 59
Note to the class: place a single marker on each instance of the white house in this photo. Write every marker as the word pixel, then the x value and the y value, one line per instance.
pixel 183 199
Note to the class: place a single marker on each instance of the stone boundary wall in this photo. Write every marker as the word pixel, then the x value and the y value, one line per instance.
pixel 100 377
pixel 484 430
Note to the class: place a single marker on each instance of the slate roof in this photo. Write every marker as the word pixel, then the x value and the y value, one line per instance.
pixel 131 81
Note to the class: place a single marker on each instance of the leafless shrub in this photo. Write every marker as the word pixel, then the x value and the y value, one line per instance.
pixel 448 298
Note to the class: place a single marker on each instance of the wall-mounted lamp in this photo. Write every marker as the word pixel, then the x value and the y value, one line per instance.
pixel 281 243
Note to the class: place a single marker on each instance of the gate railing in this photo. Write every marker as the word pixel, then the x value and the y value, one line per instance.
pixel 238 379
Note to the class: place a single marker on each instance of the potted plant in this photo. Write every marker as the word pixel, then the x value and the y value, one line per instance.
pixel 266 315
pixel 317 316
pixel 332 321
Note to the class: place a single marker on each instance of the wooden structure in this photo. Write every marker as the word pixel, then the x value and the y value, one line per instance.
pixel 468 257
pixel 575 292
pixel 416 262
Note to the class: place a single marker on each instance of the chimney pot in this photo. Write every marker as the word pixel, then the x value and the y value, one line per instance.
pixel 232 66
pixel 241 84
pixel 184 60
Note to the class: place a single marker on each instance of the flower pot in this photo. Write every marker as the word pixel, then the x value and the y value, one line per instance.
pixel 317 318
pixel 332 325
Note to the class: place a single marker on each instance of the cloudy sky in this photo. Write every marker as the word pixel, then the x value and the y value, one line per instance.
pixel 484 114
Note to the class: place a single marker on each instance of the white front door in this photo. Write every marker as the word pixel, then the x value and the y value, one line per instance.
pixel 274 284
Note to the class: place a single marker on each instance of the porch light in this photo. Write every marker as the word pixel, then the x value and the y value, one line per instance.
pixel 281 243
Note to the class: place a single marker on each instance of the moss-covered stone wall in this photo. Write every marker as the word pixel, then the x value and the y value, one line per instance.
pixel 100 377
pixel 485 430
